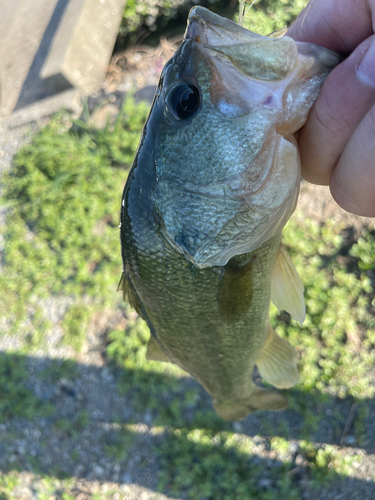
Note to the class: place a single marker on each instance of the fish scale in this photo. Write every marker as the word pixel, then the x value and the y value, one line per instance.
pixel 215 179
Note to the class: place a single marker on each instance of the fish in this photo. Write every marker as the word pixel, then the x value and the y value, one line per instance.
pixel 215 179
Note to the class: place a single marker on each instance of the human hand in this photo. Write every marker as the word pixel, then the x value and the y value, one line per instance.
pixel 337 144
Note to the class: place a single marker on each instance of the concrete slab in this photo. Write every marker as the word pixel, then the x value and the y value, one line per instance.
pixel 49 46
pixel 68 99
pixel 82 45
pixel 23 50
pixel 8 9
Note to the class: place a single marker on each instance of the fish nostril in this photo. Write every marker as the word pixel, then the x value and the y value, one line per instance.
pixel 194 32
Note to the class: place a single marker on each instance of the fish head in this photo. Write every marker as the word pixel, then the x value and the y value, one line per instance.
pixel 227 170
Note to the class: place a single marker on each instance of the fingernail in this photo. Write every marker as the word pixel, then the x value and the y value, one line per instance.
pixel 366 66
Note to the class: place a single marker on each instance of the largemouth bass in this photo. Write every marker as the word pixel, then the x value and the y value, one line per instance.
pixel 215 179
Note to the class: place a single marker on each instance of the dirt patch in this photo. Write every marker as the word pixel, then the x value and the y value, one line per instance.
pixel 316 202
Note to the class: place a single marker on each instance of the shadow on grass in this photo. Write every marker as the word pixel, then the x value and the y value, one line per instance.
pixel 66 419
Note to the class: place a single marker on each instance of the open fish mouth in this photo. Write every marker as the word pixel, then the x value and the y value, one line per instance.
pixel 210 29
pixel 254 92
pixel 265 72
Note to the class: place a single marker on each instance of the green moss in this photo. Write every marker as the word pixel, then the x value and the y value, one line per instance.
pixel 75 324
pixel 67 496
pixel 59 369
pixel 326 462
pixel 8 482
pixel 151 14
pixel 74 455
pixel 339 318
pixel 122 444
pixel 201 464
pixel 148 382
pixel 73 427
pixel 266 16
pixel 16 399
pixel 361 417
pixel 83 419
pixel 63 195
pixel 280 445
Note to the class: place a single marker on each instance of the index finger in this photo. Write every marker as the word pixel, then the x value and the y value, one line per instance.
pixel 339 25
pixel 345 26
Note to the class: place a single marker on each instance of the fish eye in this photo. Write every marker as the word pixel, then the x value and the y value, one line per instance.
pixel 183 101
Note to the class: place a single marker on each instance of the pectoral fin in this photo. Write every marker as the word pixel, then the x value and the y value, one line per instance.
pixel 129 294
pixel 260 399
pixel 235 291
pixel 154 352
pixel 286 286
pixel 277 362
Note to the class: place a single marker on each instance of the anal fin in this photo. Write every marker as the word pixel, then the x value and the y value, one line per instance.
pixel 286 286
pixel 277 362
pixel 154 352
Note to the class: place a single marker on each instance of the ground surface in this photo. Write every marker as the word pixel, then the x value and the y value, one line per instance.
pixel 76 425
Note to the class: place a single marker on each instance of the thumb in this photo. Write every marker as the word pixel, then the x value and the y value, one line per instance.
pixel 353 178
pixel 344 100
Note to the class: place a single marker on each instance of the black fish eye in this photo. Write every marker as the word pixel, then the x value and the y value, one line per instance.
pixel 183 101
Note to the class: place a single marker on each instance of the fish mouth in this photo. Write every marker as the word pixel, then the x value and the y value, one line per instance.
pixel 270 84
pixel 208 28
pixel 252 71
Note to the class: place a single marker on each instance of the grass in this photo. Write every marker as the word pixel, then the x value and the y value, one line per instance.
pixel 61 241
pixel 8 483
pixel 267 16
pixel 147 16
pixel 339 318
pixel 264 16
pixel 200 454
pixel 60 236
pixel 16 399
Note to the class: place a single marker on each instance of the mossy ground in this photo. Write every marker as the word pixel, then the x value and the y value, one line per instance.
pixel 61 246
pixel 262 16
pixel 267 16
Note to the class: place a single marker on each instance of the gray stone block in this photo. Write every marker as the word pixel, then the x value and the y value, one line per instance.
pixel 49 46
pixel 68 99
pixel 82 45
pixel 8 9
pixel 23 47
